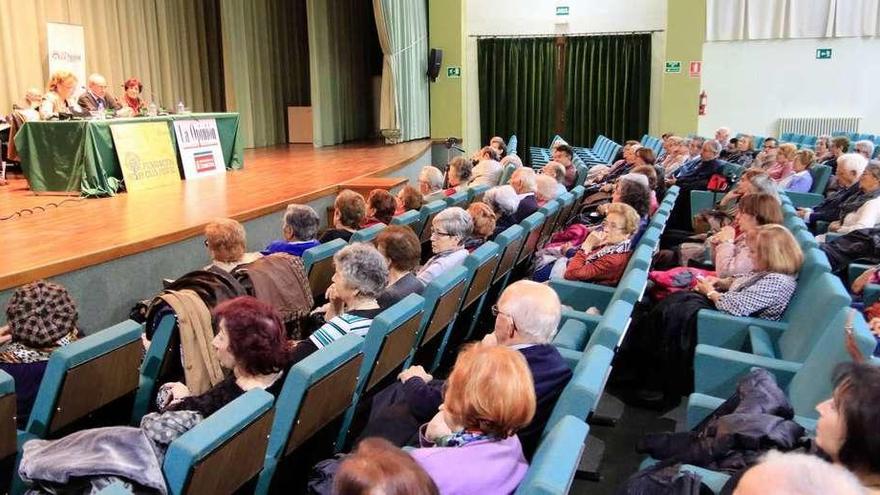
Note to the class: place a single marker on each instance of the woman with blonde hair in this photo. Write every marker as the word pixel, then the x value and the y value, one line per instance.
pixel 58 98
pixel 226 241
pixel 603 256
pixel 662 340
pixel 783 167
pixel 484 225
pixel 471 445
pixel 801 180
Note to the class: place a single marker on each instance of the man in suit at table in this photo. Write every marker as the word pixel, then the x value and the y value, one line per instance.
pixel 97 97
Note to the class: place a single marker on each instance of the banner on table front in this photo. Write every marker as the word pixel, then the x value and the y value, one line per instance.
pixel 145 154
pixel 199 144
pixel 66 46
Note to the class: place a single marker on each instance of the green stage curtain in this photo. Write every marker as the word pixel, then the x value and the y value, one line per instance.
pixel 607 88
pixel 402 26
pixel 517 89
pixel 345 56
pixel 172 46
pixel 265 47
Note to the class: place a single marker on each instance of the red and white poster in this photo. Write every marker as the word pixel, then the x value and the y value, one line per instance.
pixel 199 144
pixel 696 68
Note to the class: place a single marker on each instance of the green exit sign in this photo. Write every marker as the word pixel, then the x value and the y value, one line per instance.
pixel 673 66
pixel 562 10
pixel 453 72
pixel 823 53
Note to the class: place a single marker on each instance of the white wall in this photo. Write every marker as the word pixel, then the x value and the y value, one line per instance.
pixel 537 17
pixel 751 84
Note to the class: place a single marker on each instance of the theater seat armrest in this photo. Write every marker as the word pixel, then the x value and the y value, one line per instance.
pixel 730 332
pixel 573 334
pixel 804 199
pixel 571 357
pixel 582 295
pixel 699 406
pixel 871 294
pixel 717 371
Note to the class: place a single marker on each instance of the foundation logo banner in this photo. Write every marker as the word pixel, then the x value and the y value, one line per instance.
pixel 199 144
pixel 145 154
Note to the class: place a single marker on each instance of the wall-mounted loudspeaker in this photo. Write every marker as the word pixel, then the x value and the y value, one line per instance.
pixel 435 60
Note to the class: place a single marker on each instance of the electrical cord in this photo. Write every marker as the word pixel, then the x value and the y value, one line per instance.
pixel 39 209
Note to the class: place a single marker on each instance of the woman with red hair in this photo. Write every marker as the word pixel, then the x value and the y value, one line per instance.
pixel 131 98
pixel 250 341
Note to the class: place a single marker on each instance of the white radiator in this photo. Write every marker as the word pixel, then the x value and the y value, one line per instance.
pixel 817 126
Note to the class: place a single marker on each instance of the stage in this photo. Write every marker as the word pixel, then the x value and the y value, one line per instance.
pixel 82 233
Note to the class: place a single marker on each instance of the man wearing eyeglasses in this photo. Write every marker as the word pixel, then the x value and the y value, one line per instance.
pixel 527 316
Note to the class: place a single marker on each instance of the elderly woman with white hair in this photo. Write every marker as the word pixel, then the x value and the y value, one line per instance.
pixel 524 183
pixel 431 184
pixel 503 201
pixel 300 227
pixel 545 189
pixel 449 231
pixel 361 274
pixel 863 210
pixel 676 155
pixel 865 148
pixel 557 171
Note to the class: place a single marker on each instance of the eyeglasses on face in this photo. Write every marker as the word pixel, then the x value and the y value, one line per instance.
pixel 439 233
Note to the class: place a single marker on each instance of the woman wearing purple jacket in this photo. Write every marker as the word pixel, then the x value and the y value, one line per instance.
pixel 471 445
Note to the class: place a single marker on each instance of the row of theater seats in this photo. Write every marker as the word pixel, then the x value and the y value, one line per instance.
pixel 102 379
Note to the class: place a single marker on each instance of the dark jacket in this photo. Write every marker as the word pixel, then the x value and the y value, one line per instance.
pixel 829 209
pixel 756 419
pixel 698 179
pixel 90 104
pixel 527 206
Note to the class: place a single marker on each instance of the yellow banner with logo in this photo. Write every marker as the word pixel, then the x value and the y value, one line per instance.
pixel 146 155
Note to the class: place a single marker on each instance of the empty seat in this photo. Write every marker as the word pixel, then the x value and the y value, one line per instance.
pixel 318 262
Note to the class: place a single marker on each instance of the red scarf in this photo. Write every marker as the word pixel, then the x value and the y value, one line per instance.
pixel 134 104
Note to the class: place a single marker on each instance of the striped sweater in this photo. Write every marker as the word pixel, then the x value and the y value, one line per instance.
pixel 356 321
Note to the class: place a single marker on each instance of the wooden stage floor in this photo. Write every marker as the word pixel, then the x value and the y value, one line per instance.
pixel 85 232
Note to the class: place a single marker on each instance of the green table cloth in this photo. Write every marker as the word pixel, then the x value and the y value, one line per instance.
pixel 78 155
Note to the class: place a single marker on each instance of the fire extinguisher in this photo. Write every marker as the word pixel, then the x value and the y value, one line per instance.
pixel 703 99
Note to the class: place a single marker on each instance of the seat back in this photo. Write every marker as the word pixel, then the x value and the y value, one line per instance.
pixel 631 287
pixel 481 264
pixel 581 395
pixel 367 234
pixel 551 213
pixel 8 434
pixel 459 199
pixel 821 175
pixel 507 173
pixel 317 391
pixel 640 258
pixel 805 239
pixel 318 262
pixel 510 241
pixel 443 298
pixel 390 340
pixel 86 375
pixel 566 204
pixel 812 382
pixel 511 144
pixel 476 193
pixel 556 461
pixel 428 212
pixel 815 264
pixel 409 218
pixel 155 361
pixel 232 441
pixel 811 313
pixel 533 225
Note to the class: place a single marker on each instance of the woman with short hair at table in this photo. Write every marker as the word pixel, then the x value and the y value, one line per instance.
pixel 58 98
pixel 132 103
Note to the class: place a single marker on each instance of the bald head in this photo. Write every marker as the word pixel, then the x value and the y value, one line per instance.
pixel 97 85
pixel 554 169
pixel 797 474
pixel 534 309
pixel 523 180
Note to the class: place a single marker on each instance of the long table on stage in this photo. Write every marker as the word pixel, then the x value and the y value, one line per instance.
pixel 79 156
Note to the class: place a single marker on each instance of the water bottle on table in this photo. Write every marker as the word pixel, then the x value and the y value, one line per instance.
pixel 180 107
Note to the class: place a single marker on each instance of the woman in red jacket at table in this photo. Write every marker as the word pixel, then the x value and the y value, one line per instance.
pixel 606 251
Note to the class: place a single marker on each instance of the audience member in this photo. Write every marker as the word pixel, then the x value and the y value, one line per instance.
pixel 299 229
pixel 458 174
pixel 381 206
pixel 653 184
pixel 744 152
pixel 361 274
pixel 767 156
pixel 226 241
pixel 545 189
pixel 604 254
pixel 722 135
pixel 470 446
pixel 524 183
pixel 131 98
pixel 402 250
pixel 601 174
pixel 696 173
pixel 503 201
pixel 783 166
pixel 564 154
pixel 408 198
pixel 846 430
pixel 676 155
pixel 251 343
pixel 29 107
pixel 662 340
pixel 499 146
pixel 485 153
pixel 377 467
pixel 694 146
pixel 796 474
pixel 56 101
pixel 801 180
pixel 839 147
pixel 40 318
pixel 823 148
pixel 349 212
pixel 484 225
pixel 862 211
pixel 487 171
pixel 850 167
pixel 449 231
pixel 431 184
pixel 97 98
pixel 865 148
pixel 557 171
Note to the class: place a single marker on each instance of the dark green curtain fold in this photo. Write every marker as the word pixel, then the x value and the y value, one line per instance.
pixel 517 89
pixel 606 81
pixel 607 88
